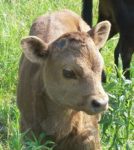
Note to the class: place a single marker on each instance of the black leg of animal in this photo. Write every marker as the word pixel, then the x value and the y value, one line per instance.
pixel 126 59
pixel 116 55
pixel 87 11
pixel 113 31
pixel 103 76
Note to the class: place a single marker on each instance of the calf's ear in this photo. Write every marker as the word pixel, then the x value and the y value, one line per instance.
pixel 100 33
pixel 34 49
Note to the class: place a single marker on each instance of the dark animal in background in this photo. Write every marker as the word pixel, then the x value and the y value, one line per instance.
pixel 87 7
pixel 121 15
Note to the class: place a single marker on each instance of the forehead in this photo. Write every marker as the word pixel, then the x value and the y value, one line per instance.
pixel 76 48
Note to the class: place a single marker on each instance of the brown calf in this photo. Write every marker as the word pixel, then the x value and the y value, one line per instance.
pixel 60 91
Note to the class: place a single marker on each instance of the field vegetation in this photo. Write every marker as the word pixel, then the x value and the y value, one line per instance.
pixel 16 17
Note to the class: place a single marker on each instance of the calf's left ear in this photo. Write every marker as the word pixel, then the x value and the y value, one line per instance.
pixel 100 33
pixel 34 49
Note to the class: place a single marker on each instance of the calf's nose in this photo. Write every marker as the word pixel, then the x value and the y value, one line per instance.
pixel 96 104
pixel 99 105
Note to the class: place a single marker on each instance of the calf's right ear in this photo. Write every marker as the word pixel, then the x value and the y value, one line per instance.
pixel 34 49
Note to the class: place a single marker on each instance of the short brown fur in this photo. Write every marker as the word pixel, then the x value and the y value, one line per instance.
pixel 48 101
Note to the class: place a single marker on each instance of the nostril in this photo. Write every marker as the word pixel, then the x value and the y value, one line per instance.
pixel 96 104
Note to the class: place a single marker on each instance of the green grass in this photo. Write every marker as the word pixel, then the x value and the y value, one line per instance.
pixel 16 16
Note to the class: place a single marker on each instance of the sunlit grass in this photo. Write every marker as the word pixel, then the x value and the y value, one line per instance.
pixel 16 16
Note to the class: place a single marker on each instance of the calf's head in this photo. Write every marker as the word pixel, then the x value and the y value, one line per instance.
pixel 71 68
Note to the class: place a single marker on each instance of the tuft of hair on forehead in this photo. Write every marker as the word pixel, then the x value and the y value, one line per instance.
pixel 71 41
pixel 77 37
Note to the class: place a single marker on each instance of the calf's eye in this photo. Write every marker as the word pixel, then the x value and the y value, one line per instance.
pixel 67 73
